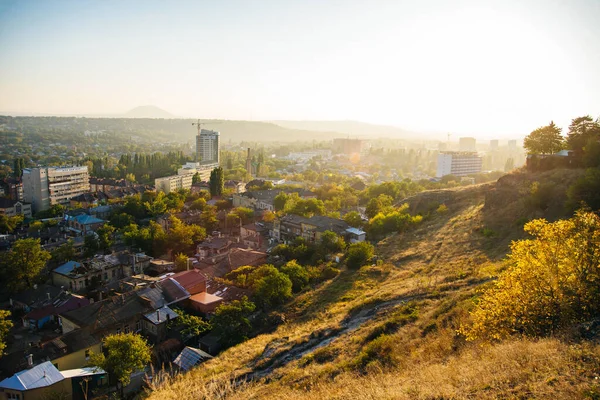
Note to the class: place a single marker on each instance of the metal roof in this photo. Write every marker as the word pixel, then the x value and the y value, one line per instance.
pixel 67 267
pixel 190 357
pixel 161 315
pixel 42 375
pixel 77 372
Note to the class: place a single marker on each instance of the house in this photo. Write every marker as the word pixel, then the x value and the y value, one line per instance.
pixel 259 199
pixel 193 281
pixel 37 318
pixel 45 380
pixel 35 383
pixel 190 357
pixel 158 267
pixel 11 208
pixel 251 235
pixel 78 277
pixel 219 266
pixel 84 200
pixel 235 186
pixel 35 297
pixel 83 223
pixel 204 302
pixel 288 227
pixel 355 235
pixel 213 246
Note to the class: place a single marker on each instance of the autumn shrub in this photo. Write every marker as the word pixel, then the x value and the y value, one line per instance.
pixel 553 281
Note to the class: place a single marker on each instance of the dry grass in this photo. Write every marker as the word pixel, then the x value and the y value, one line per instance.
pixel 440 268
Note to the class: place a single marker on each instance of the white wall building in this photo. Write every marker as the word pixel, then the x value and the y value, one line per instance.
pixel 458 163
pixel 45 186
pixel 173 183
pixel 207 147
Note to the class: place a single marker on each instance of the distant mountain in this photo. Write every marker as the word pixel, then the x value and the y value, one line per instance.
pixel 348 128
pixel 148 112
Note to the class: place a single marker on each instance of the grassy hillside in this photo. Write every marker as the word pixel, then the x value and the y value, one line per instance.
pixel 390 330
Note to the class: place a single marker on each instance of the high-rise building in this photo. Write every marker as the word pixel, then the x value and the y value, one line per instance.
pixel 467 144
pixel 347 146
pixel 494 145
pixel 44 187
pixel 458 163
pixel 207 147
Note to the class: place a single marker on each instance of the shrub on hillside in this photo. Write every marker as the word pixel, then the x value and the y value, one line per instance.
pixel 586 189
pixel 553 281
pixel 379 351
pixel 359 254
pixel 297 274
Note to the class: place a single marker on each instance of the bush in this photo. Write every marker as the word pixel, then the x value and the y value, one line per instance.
pixel 586 189
pixel 380 351
pixel 359 254
pixel 552 282
pixel 442 209
pixel 297 274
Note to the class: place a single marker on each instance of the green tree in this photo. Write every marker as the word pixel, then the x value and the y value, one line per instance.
pixel 24 262
pixel 378 204
pixel 544 140
pixel 181 262
pixel 198 204
pixel 331 242
pixel 130 177
pixel 64 253
pixel 105 237
pixel 552 281
pixel 124 354
pixel 90 245
pixel 231 321
pixel 18 167
pixel 229 163
pixel 297 274
pixel 271 287
pixel 35 226
pixel 182 237
pixel 9 224
pixel 280 201
pixel 192 325
pixel 586 189
pixel 5 326
pixel 196 178
pixel 217 181
pixel 121 220
pixel 353 219
pixel 359 254
pixel 158 206
pixel 581 131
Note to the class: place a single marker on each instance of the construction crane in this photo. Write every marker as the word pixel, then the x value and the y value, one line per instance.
pixel 199 124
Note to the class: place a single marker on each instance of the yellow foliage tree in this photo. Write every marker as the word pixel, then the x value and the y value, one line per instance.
pixel 553 280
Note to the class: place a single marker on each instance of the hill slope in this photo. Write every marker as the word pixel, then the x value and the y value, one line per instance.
pixel 148 112
pixel 390 330
pixel 358 129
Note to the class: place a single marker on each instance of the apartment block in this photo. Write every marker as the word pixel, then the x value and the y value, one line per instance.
pixel 173 183
pixel 458 163
pixel 207 147
pixel 44 187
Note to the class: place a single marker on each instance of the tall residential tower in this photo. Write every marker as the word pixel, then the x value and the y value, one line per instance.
pixel 45 186
pixel 207 147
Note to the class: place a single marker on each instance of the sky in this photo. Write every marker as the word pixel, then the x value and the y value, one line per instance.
pixel 480 68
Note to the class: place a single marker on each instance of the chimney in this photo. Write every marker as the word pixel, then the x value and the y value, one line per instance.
pixel 158 315
pixel 29 360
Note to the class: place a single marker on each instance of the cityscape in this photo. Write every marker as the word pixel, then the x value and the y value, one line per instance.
pixel 304 200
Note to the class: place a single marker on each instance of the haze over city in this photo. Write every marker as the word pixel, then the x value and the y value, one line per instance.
pixel 484 69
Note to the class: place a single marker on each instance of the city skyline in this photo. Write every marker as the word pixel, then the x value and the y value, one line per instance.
pixel 483 69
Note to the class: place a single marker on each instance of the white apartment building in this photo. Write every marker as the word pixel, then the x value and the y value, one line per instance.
pixel 192 168
pixel 44 187
pixel 173 183
pixel 458 163
pixel 207 147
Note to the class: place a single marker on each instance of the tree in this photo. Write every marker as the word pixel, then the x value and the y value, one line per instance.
pixel 198 204
pixel 124 354
pixel 19 163
pixel 586 189
pixel 280 201
pixel 181 262
pixel 35 226
pixel 182 237
pixel 192 325
pixel 158 206
pixel 130 178
pixel 581 131
pixel 24 262
pixel 5 325
pixel 271 287
pixel 353 219
pixel 9 224
pixel 552 281
pixel 90 245
pixel 231 321
pixel 121 220
pixel 359 254
pixel 378 204
pixel 217 181
pixel 229 163
pixel 544 140
pixel 105 237
pixel 64 253
pixel 297 274
pixel 331 242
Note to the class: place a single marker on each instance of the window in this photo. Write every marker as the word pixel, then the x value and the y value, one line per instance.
pixel 106 276
pixel 118 331
pixel 126 328
pixel 138 326
pixel 113 273
pixel 87 354
pixel 13 396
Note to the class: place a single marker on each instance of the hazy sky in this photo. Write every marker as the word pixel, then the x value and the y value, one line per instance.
pixel 470 67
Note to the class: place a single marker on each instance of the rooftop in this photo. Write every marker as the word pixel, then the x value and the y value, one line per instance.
pixel 190 357
pixel 42 375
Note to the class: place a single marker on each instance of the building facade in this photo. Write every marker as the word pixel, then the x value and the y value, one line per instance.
pixel 458 163
pixel 207 147
pixel 173 183
pixel 11 208
pixel 44 187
